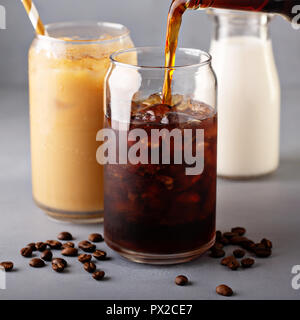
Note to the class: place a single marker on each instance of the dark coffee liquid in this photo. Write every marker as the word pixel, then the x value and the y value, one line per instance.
pixel 157 208
pixel 284 7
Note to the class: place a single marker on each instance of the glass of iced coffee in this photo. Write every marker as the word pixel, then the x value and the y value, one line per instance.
pixel 160 157
pixel 66 75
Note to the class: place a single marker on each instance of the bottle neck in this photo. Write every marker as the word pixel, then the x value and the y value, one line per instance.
pixel 237 25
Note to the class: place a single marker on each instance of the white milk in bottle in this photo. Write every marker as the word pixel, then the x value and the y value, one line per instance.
pixel 248 95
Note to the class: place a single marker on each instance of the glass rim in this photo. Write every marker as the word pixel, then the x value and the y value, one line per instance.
pixel 112 25
pixel 161 49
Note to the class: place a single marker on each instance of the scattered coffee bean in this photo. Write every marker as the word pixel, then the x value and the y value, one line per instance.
pixel 86 246
pixel 218 245
pixel 224 241
pixel 36 263
pixel 60 261
pixel 70 252
pixel 247 262
pixel 229 235
pixel 89 267
pixel 216 252
pixel 239 253
pixel 58 266
pixel 99 255
pixel 98 275
pixel 262 252
pixel 68 245
pixel 226 260
pixel 233 264
pixel 181 280
pixel 267 243
pixel 84 258
pixel 218 235
pixel 230 262
pixel 259 246
pixel 41 246
pixel 247 245
pixel 238 240
pixel 32 246
pixel 239 230
pixel 26 252
pixel 224 290
pixel 7 265
pixel 95 237
pixel 54 244
pixel 65 236
pixel 46 255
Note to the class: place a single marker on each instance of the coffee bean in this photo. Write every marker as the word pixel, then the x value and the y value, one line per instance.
pixel 218 245
pixel 26 252
pixel 41 246
pixel 7 265
pixel 238 240
pixel 99 255
pixel 46 255
pixel 68 245
pixel 84 258
pixel 95 237
pixel 224 290
pixel 70 252
pixel 216 252
pixel 54 244
pixel 181 280
pixel 65 236
pixel 32 246
pixel 36 263
pixel 58 266
pixel 239 230
pixel 248 245
pixel 86 246
pixel 262 252
pixel 259 246
pixel 229 235
pixel 233 264
pixel 226 260
pixel 218 235
pixel 98 275
pixel 89 267
pixel 224 241
pixel 267 243
pixel 60 261
pixel 247 262
pixel 230 262
pixel 239 253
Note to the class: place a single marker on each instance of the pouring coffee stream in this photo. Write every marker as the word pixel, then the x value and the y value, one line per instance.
pixel 290 9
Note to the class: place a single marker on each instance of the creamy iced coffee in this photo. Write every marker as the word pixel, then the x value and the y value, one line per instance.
pixel 66 75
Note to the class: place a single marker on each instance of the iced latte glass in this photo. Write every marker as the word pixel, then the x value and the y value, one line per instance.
pixel 66 76
pixel 160 171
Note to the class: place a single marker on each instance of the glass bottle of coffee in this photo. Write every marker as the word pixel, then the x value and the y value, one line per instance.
pixel 290 9
pixel 249 94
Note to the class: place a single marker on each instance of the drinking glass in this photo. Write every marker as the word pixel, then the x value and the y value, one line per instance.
pixel 66 75
pixel 160 202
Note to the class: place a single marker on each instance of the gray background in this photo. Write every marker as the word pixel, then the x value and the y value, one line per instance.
pixel 145 18
pixel 268 207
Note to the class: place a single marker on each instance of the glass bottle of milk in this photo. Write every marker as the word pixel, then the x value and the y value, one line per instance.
pixel 249 94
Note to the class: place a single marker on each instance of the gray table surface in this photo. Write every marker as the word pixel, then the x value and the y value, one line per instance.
pixel 268 207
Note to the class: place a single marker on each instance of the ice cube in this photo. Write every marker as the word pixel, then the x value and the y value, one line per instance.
pixel 153 99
